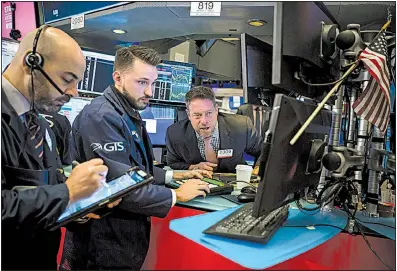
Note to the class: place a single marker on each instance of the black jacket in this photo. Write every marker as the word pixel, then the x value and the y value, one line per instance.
pixel 27 214
pixel 235 132
pixel 119 240
pixel 62 129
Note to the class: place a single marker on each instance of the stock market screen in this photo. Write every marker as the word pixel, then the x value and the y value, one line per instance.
pixel 98 73
pixel 157 119
pixel 174 81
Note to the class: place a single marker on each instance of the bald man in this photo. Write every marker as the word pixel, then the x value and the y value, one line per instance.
pixel 34 193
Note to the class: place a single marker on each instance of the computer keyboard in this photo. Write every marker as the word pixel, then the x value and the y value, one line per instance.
pixel 242 225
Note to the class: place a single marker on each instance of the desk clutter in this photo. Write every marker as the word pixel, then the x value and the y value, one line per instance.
pixel 225 184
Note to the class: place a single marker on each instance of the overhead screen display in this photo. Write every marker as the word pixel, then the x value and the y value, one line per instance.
pixel 55 11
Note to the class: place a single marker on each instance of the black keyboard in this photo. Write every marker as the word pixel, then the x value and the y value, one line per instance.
pixel 241 225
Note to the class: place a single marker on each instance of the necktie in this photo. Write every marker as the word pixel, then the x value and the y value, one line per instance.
pixel 33 124
pixel 210 154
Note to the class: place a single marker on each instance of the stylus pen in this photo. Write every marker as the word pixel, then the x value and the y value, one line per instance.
pixel 75 163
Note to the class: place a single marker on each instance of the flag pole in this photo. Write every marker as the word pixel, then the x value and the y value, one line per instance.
pixel 321 105
pixel 385 26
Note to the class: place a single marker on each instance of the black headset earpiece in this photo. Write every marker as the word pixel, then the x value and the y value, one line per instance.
pixel 34 59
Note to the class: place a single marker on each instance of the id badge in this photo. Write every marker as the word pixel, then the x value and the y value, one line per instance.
pixel 225 153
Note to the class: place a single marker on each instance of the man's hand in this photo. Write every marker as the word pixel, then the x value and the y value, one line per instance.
pixel 192 174
pixel 191 189
pixel 204 166
pixel 110 205
pixel 85 179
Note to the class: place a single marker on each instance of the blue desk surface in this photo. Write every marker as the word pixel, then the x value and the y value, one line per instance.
pixel 286 243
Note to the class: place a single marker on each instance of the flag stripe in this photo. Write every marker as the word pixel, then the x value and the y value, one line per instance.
pixel 373 97
pixel 381 120
pixel 382 57
pixel 363 102
pixel 374 102
pixel 375 73
pixel 376 116
pixel 380 67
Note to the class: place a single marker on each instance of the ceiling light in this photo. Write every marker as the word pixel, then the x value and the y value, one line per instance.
pixel 256 22
pixel 230 39
pixel 119 31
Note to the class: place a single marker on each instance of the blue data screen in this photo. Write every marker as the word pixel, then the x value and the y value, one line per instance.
pixel 173 82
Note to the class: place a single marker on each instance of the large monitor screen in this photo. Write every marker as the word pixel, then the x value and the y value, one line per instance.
pixel 174 81
pixel 98 73
pixel 58 10
pixel 8 50
pixel 157 119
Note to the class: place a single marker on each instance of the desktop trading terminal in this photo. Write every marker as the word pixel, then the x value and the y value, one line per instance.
pixel 286 171
pixel 241 224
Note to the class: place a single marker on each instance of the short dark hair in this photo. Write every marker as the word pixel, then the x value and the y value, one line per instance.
pixel 200 92
pixel 125 57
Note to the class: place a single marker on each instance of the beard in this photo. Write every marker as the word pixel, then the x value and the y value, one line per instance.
pixel 136 103
pixel 43 101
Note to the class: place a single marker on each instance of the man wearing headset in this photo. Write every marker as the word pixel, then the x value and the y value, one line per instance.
pixel 34 193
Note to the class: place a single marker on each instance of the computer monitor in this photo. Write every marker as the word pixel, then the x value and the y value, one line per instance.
pixel 71 109
pixel 287 170
pixel 256 61
pixel 8 50
pixel 174 80
pixel 296 48
pixel 98 74
pixel 157 119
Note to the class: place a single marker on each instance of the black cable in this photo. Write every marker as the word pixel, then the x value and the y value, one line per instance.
pixel 365 238
pixel 371 248
pixel 367 143
pixel 375 223
pixel 326 84
pixel 321 84
pixel 346 127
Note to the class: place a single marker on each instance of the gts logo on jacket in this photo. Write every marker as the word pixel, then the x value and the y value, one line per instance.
pixel 109 147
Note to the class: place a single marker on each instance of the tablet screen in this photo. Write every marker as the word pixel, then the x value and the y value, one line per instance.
pixel 115 186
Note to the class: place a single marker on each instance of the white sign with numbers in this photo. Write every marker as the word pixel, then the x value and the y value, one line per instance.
pixel 225 153
pixel 205 8
pixel 77 22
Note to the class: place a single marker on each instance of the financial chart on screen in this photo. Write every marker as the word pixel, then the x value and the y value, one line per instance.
pixel 174 81
pixel 98 74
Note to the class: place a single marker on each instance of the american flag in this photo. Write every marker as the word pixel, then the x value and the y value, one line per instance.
pixel 374 103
